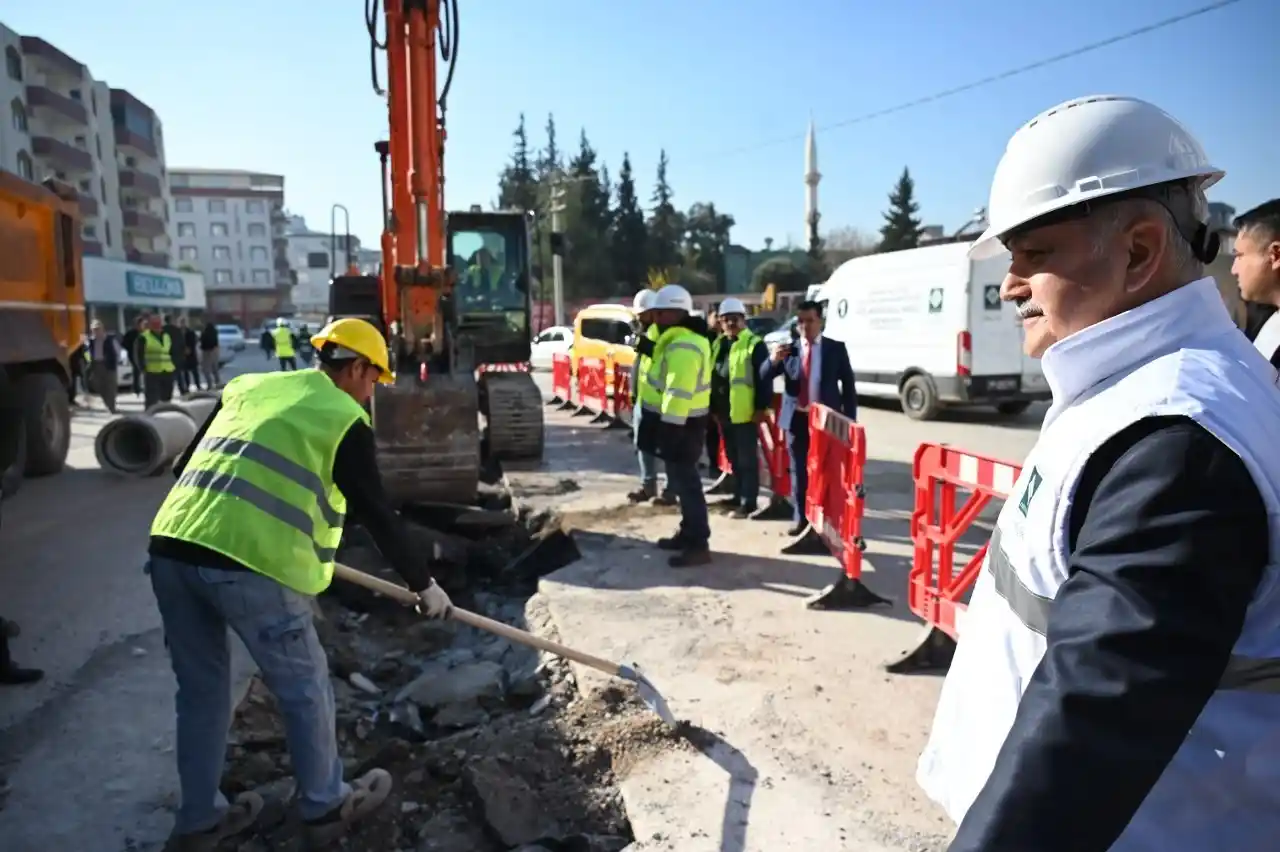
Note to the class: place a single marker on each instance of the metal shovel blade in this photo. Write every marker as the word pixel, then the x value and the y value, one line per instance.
pixel 648 692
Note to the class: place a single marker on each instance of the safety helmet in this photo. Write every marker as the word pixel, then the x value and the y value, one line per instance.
pixel 281 322
pixel 1085 149
pixel 643 301
pixel 352 337
pixel 673 297
pixel 732 306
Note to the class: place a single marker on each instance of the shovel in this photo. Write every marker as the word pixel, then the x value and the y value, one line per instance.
pixel 648 692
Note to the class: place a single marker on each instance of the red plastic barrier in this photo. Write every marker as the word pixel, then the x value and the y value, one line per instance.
pixel 593 390
pixel 935 589
pixel 621 395
pixel 834 501
pixel 775 462
pixel 513 367
pixel 561 380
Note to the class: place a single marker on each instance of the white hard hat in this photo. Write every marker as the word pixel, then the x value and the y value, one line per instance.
pixel 732 306
pixel 643 301
pixel 673 297
pixel 1084 149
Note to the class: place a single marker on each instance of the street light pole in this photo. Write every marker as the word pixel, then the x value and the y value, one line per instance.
pixel 333 237
pixel 557 252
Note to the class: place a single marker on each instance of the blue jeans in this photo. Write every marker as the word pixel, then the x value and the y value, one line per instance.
pixel 686 482
pixel 742 447
pixel 197 605
pixel 648 461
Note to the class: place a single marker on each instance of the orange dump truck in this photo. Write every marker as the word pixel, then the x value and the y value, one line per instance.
pixel 42 321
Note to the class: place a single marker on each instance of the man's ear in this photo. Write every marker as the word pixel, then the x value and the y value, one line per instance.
pixel 1273 254
pixel 1147 240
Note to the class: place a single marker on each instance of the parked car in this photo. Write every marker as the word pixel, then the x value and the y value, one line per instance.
pixel 781 335
pixel 231 338
pixel 557 340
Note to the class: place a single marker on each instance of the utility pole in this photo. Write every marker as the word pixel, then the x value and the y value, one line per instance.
pixel 557 251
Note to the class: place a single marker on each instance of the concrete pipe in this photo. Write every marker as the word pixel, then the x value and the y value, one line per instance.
pixel 143 445
pixel 199 410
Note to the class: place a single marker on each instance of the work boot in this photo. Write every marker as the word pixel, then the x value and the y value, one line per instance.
pixel 797 529
pixel 723 485
pixel 368 792
pixel 743 512
pixel 242 813
pixel 666 498
pixel 643 494
pixel 691 557
pixel 809 544
pixel 673 542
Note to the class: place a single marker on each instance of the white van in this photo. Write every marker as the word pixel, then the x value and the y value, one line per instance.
pixel 927 326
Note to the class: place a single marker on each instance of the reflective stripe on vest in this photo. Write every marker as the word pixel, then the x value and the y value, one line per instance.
pixel 157 353
pixel 259 488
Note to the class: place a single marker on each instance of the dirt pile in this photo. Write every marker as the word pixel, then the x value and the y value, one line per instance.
pixel 491 747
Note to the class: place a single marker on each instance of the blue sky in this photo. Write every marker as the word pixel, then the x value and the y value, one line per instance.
pixel 281 86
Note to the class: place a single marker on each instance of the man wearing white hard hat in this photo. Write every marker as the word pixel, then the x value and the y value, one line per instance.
pixel 642 305
pixel 1116 685
pixel 741 395
pixel 677 404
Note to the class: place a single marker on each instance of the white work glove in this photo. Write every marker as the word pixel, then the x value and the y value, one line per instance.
pixel 434 603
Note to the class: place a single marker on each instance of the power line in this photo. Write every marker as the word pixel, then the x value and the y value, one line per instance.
pixel 986 81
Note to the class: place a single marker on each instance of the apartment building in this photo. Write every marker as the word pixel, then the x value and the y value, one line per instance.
pixel 63 123
pixel 314 257
pixel 230 225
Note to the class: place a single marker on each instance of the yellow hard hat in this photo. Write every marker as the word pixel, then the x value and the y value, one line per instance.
pixel 359 337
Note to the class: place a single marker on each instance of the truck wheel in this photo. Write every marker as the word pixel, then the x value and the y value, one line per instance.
pixel 1013 407
pixel 47 413
pixel 919 398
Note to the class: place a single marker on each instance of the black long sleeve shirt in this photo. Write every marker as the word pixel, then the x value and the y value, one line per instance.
pixel 1169 540
pixel 355 472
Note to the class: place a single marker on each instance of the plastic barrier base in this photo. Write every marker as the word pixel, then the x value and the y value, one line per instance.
pixel 932 654
pixel 846 594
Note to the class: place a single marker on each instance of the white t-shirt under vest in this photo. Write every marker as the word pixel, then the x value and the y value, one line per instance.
pixel 1178 355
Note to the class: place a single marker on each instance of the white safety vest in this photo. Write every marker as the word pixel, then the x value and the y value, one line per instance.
pixel 1178 355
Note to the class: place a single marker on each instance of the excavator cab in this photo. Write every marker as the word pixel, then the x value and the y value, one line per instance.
pixel 489 254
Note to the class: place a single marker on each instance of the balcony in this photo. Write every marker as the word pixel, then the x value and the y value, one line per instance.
pixel 91 248
pixel 147 258
pixel 134 142
pixel 144 223
pixel 88 205
pixel 141 182
pixel 44 98
pixel 40 49
pixel 69 157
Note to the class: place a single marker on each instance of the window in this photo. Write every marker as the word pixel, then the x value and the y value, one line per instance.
pixel 25 168
pixel 606 330
pixel 106 227
pixel 19 116
pixel 86 186
pixel 102 182
pixel 217 205
pixel 317 260
pixel 182 205
pixel 97 141
pixel 75 95
pixel 257 229
pixel 221 252
pixel 82 142
pixel 188 253
pixel 186 229
pixel 222 276
pixel 13 63
pixel 89 232
pixel 262 276
pixel 130 162
pixel 254 205
pixel 218 229
pixel 257 253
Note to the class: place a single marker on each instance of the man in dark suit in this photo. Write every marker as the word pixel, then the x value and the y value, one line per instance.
pixel 815 370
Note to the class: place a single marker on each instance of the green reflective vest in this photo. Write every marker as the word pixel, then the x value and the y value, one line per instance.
pixel 259 487
pixel 681 375
pixel 157 352
pixel 649 397
pixel 742 384
pixel 284 341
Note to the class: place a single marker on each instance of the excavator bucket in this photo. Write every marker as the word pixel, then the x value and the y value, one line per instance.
pixel 428 436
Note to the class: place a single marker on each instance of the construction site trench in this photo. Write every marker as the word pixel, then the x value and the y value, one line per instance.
pixel 490 743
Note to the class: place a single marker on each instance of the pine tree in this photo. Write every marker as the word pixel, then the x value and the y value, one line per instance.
pixel 629 233
pixel 591 269
pixel 549 157
pixel 902 228
pixel 517 187
pixel 666 225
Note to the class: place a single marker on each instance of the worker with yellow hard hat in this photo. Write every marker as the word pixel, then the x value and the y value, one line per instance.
pixel 246 538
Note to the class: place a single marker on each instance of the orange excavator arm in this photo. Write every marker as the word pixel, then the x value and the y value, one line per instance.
pixel 415 273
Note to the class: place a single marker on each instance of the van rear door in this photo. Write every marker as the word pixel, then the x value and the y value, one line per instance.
pixel 995 333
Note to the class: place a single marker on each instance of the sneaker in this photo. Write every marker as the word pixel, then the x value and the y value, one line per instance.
pixel 743 512
pixel 691 557
pixel 242 813
pixel 368 793
pixel 642 494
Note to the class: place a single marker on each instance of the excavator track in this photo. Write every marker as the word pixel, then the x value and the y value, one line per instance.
pixel 513 406
pixel 428 438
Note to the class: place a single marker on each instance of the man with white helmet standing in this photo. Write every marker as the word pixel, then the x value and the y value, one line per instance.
pixel 1116 687
pixel 640 390
pixel 676 406
pixel 740 399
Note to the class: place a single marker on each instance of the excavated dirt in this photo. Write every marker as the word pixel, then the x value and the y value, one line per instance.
pixel 490 744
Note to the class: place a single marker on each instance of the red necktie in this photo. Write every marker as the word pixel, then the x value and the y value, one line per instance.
pixel 803 399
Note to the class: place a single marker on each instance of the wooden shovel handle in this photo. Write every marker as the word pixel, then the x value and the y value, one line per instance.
pixel 506 631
